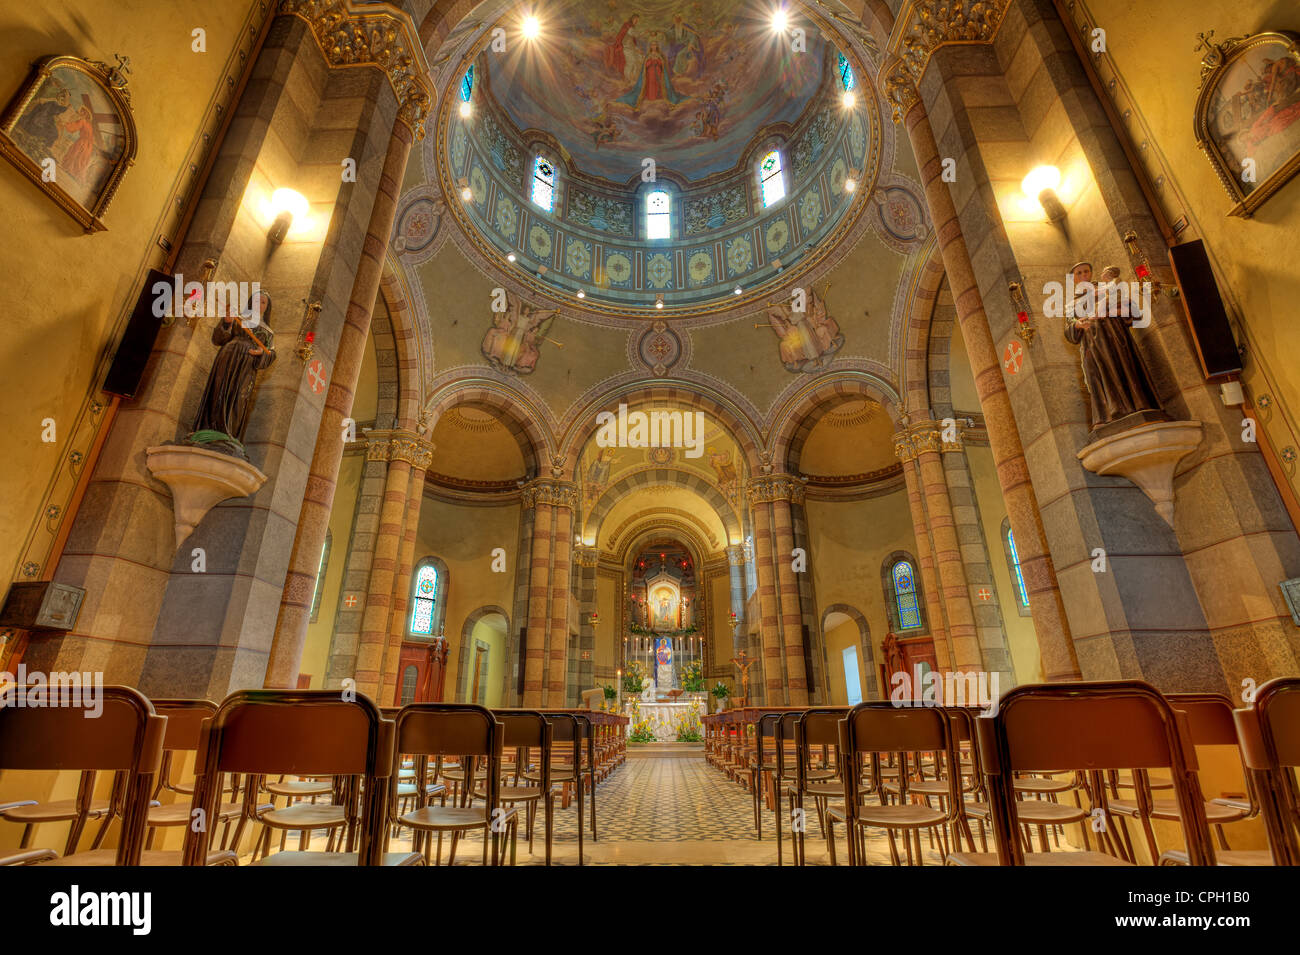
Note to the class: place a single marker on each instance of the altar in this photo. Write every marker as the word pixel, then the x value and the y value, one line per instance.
pixel 664 718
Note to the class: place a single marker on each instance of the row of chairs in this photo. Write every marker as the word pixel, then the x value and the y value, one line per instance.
pixel 377 773
pixel 909 771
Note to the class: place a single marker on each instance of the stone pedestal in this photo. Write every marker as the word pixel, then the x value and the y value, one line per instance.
pixel 199 480
pixel 1147 455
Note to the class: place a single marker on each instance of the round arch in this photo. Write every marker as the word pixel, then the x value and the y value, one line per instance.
pixel 795 421
pixel 512 407
pixel 652 477
pixel 463 668
pixel 871 684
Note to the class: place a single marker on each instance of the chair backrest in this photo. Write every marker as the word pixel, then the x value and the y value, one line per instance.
pixel 303 733
pixel 879 726
pixel 524 728
pixel 184 721
pixel 1121 724
pixel 127 736
pixel 819 726
pixel 1270 744
pixel 448 729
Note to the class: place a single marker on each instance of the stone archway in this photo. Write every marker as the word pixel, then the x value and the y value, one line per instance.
pixel 870 685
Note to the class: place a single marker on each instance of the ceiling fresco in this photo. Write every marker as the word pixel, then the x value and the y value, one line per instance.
pixel 685 83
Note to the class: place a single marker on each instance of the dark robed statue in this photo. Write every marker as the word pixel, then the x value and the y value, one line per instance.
pixel 1118 383
pixel 228 396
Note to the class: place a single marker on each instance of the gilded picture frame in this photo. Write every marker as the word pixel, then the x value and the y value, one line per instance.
pixel 1247 118
pixel 69 129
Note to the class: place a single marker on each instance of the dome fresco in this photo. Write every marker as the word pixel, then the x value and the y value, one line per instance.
pixel 684 83
pixel 543 162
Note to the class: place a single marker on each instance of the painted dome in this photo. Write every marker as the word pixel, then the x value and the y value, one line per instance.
pixel 663 158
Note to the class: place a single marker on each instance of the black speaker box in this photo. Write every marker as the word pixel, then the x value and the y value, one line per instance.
pixel 137 341
pixel 1206 316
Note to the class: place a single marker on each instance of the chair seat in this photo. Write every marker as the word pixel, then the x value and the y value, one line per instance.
pixel 305 815
pixel 27 856
pixel 1215 813
pixel 1034 812
pixel 430 789
pixel 1039 859
pixel 180 813
pixel 1225 857
pixel 162 857
pixel 58 811
pixel 824 789
pixel 908 816
pixel 514 793
pixel 923 787
pixel 337 859
pixel 449 818
pixel 1038 785
pixel 300 787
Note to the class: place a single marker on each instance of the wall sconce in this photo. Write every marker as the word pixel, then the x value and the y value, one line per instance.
pixel 1138 258
pixel 595 617
pixel 1041 184
pixel 307 331
pixel 286 205
pixel 1024 327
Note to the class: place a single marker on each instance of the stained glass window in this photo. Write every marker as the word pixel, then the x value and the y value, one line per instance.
pixel 1021 592
pixel 658 216
pixel 909 611
pixel 544 183
pixel 770 179
pixel 846 73
pixel 467 84
pixel 424 599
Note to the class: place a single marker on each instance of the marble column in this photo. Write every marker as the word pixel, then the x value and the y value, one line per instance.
pixel 417 453
pixel 342 664
pixel 539 592
pixel 736 568
pixel 313 520
pixel 792 635
pixel 928 444
pixel 564 499
pixel 769 621
pixel 587 558
pixel 1056 649
pixel 924 554
pixel 383 563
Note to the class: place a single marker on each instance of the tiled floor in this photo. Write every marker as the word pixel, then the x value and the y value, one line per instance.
pixel 667 806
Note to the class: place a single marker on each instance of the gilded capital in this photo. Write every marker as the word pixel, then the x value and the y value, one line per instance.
pixel 903 447
pixel 552 492
pixel 900 89
pixel 350 34
pixel 736 555
pixel 412 449
pixel 775 487
pixel 586 555
pixel 922 26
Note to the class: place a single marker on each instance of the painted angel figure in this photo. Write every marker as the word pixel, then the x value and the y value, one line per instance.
pixel 513 343
pixel 809 339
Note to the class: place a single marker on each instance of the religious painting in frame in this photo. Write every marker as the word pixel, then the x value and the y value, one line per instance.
pixel 1248 114
pixel 69 129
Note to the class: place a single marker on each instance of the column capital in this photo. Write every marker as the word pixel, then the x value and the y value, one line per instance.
pixel 899 89
pixel 586 555
pixel 552 492
pixel 736 555
pixel 903 449
pixel 382 37
pixel 400 445
pixel 775 487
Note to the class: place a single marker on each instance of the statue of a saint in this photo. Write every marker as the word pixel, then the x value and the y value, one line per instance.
pixel 247 345
pixel 1118 383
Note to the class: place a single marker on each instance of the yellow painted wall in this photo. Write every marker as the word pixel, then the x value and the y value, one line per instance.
pixel 490 630
pixel 464 537
pixel 64 292
pixel 837 638
pixel 850 541
pixel 1151 46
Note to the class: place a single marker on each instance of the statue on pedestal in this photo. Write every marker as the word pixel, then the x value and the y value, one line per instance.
pixel 1118 383
pixel 247 345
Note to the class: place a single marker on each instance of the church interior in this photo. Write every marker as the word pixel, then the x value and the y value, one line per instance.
pixel 627 432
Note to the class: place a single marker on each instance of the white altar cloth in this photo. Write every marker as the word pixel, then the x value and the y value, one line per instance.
pixel 664 718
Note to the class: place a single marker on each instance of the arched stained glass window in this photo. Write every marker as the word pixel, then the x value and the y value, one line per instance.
pixel 467 84
pixel 845 68
pixel 909 610
pixel 658 215
pixel 770 178
pixel 1022 593
pixel 544 183
pixel 424 599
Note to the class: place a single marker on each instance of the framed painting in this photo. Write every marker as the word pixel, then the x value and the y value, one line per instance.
pixel 69 130
pixel 1248 114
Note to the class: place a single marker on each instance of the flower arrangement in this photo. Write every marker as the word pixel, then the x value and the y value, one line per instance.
pixel 721 691
pixel 641 732
pixel 634 678
pixel 610 691
pixel 689 729
pixel 693 677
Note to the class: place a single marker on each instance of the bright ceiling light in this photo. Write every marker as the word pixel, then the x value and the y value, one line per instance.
pixel 532 27
pixel 736 290
pixel 467 193
pixel 287 200
pixel 849 99
pixel 466 109
pixel 850 185
pixel 1040 178
pixel 510 256
pixel 659 301
pixel 779 21
pixel 581 294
